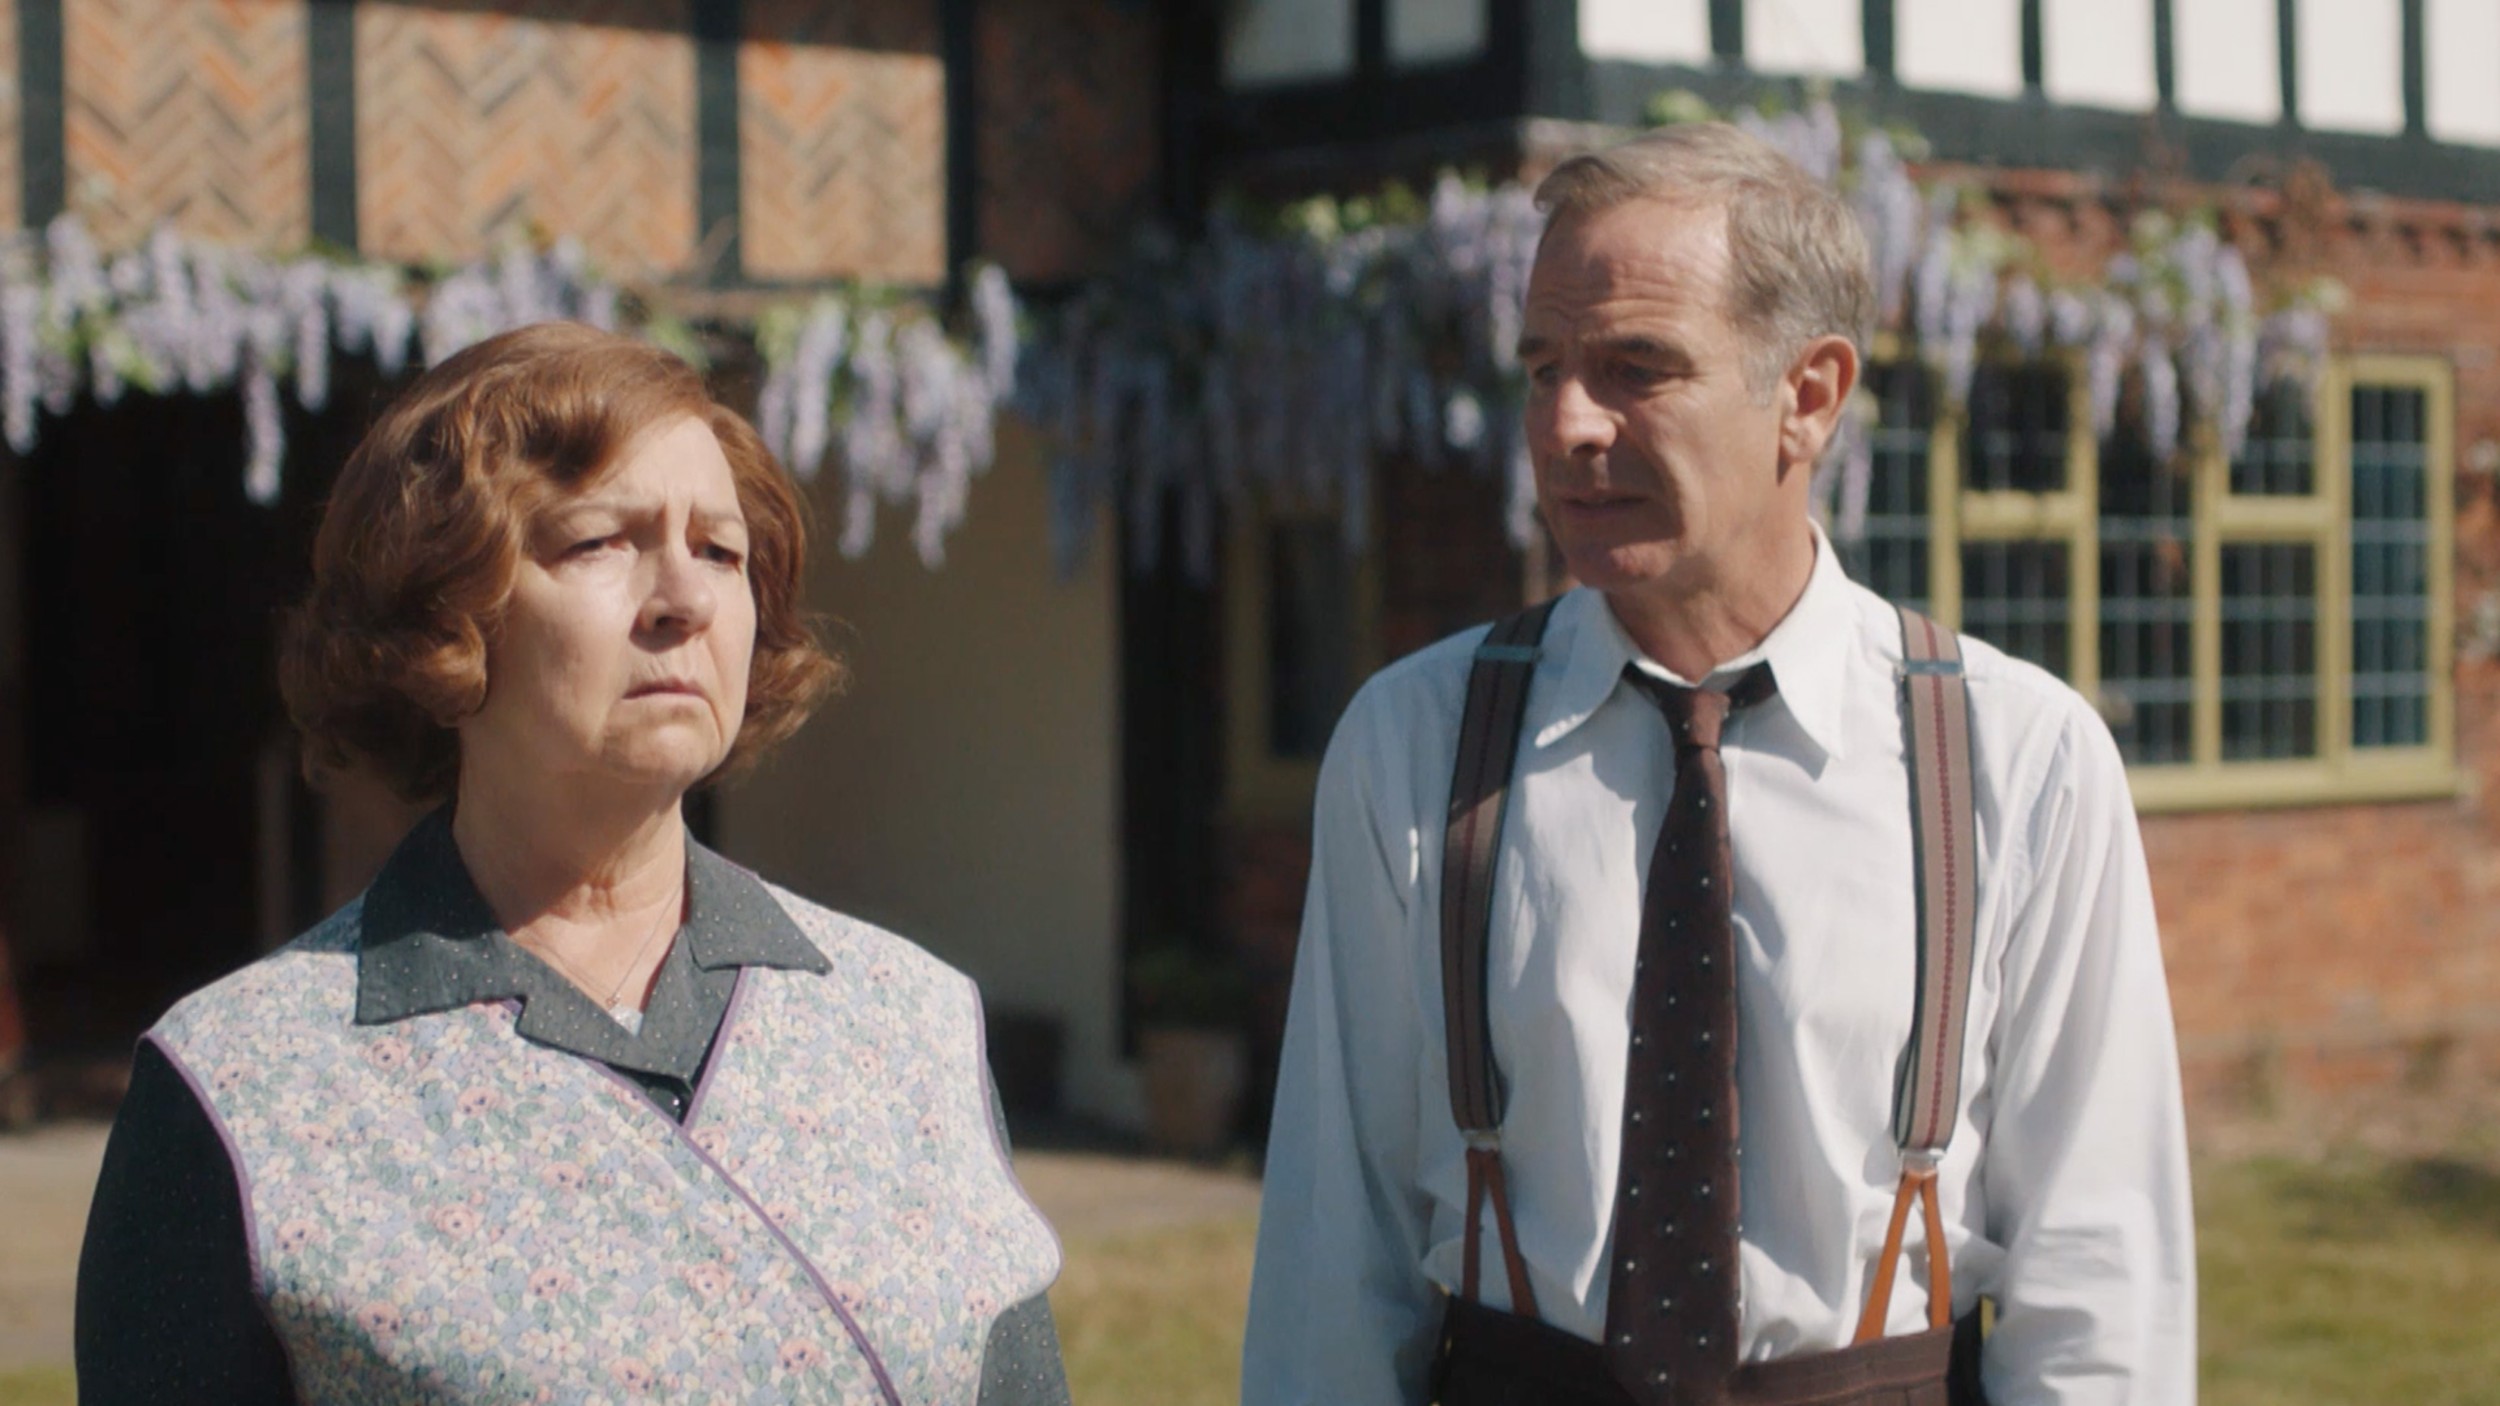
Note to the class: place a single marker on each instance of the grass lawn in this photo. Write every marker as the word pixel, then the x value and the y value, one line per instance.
pixel 37 1386
pixel 2358 1281
pixel 2348 1283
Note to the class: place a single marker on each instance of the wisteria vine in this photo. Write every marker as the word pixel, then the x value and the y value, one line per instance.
pixel 1286 359
pixel 1277 357
pixel 179 314
pixel 2178 306
pixel 872 380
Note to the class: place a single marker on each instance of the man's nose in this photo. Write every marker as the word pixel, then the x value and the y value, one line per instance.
pixel 1568 422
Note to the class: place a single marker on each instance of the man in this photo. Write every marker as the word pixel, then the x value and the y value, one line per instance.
pixel 1692 332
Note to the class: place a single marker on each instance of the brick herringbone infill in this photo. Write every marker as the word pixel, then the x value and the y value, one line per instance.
pixel 842 141
pixel 188 111
pixel 567 117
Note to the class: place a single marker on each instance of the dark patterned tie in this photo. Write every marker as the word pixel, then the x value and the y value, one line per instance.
pixel 1671 1295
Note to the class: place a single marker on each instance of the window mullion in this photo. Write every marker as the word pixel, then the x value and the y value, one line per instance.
pixel 1944 511
pixel 2083 482
pixel 2439 489
pixel 2212 481
pixel 2334 468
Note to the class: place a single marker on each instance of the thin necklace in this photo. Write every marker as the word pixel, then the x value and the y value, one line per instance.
pixel 614 1007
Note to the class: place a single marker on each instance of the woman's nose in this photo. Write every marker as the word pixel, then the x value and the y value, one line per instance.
pixel 683 595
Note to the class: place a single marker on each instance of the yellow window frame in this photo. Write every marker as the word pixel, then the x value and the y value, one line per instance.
pixel 2341 772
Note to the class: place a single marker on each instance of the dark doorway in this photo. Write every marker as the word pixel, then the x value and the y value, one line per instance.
pixel 1171 752
pixel 161 833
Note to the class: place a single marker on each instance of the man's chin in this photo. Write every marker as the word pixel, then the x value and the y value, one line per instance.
pixel 1636 566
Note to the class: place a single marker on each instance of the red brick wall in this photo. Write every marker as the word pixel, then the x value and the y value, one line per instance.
pixel 1070 95
pixel 2349 947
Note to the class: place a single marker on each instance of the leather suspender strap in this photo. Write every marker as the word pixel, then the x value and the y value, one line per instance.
pixel 1936 722
pixel 1936 715
pixel 1488 745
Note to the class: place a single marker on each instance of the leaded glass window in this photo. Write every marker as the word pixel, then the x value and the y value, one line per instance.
pixel 2391 553
pixel 2269 650
pixel 2017 596
pixel 2147 532
pixel 2265 627
pixel 2015 434
pixel 2279 457
pixel 1890 554
pixel 1311 646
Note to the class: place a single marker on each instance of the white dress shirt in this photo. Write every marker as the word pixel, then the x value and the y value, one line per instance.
pixel 2065 1189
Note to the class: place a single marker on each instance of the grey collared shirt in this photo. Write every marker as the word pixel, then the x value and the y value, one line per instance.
pixel 166 1306
pixel 431 944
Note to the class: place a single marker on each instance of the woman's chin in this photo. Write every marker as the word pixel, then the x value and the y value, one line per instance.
pixel 664 764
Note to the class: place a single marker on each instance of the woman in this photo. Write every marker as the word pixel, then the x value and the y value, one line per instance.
pixel 565 1107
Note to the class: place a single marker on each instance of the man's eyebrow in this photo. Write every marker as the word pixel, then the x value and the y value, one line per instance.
pixel 1633 344
pixel 1644 347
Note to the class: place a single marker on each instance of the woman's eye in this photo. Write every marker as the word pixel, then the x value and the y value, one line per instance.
pixel 726 556
pixel 588 545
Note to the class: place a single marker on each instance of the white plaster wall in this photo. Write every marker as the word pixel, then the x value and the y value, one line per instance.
pixel 1435 31
pixel 1805 36
pixel 965 791
pixel 1960 46
pixel 1284 41
pixel 2351 65
pixel 1646 31
pixel 2099 53
pixel 2227 56
pixel 2462 70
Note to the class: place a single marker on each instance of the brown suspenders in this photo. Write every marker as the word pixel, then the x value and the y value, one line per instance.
pixel 1936 722
pixel 1488 744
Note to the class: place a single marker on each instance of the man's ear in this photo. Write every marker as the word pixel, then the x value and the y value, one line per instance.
pixel 1813 396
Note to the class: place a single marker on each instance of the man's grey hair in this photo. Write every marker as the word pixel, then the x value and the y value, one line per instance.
pixel 1798 266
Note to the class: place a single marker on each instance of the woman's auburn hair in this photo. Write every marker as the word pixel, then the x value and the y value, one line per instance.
pixel 423 534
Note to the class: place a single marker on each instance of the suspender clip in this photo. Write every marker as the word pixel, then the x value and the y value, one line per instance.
pixel 1482 1139
pixel 1920 1159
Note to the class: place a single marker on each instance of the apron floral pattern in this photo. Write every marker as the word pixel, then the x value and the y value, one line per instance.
pixel 439 1209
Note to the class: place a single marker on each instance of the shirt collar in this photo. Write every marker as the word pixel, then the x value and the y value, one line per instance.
pixel 430 943
pixel 1808 651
